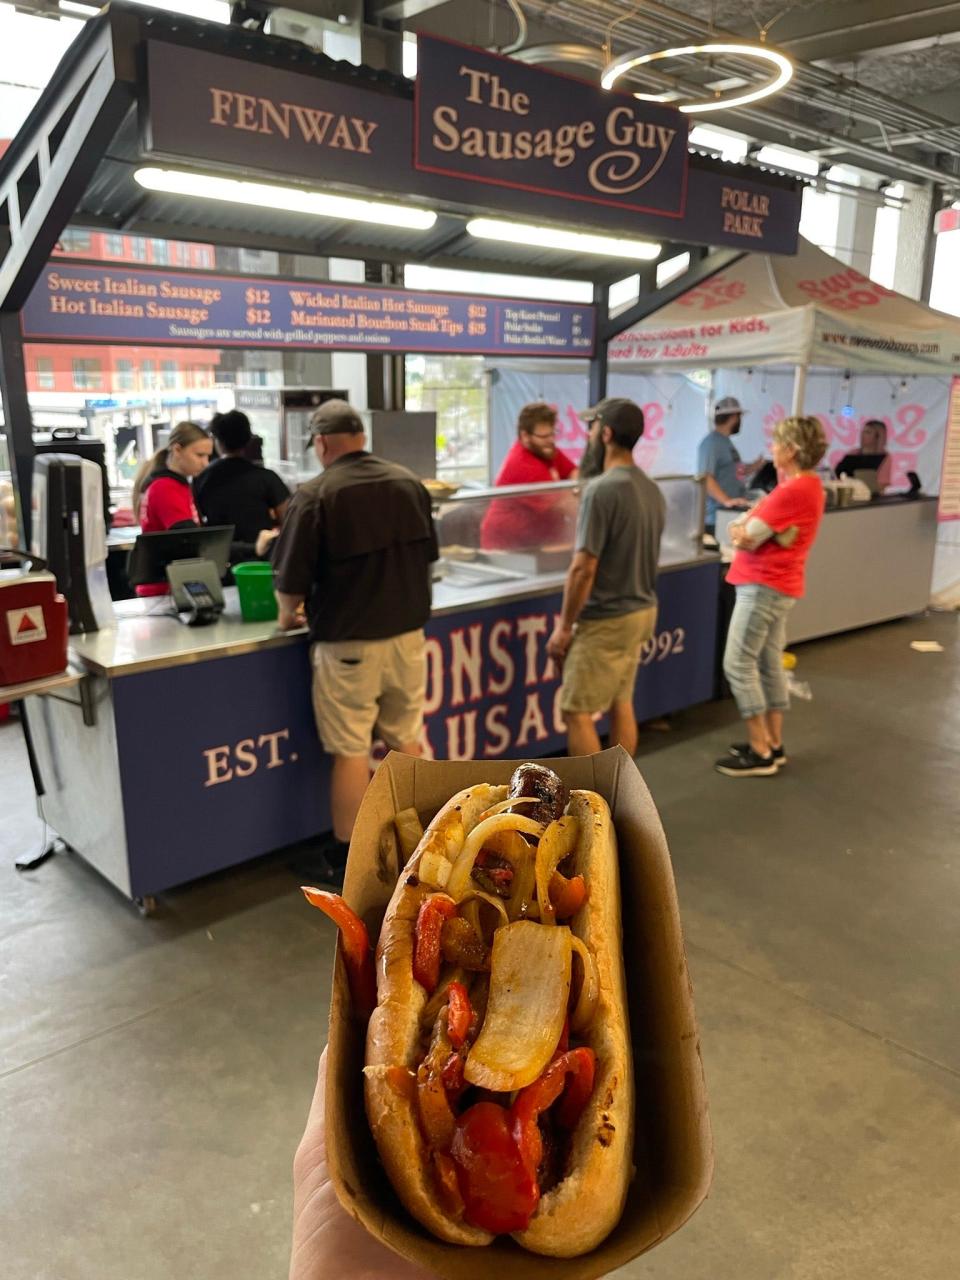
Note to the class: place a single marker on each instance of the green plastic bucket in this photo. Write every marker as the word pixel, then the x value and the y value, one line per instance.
pixel 255 584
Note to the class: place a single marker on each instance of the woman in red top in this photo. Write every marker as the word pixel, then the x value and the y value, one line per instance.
pixel 772 541
pixel 162 494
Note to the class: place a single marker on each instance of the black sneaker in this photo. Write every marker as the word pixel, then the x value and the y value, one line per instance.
pixel 324 866
pixel 747 765
pixel 741 748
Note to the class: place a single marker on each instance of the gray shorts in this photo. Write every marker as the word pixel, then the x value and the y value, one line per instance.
pixel 366 689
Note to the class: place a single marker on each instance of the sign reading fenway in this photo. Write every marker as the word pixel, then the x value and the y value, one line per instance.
pixel 494 120
pixel 108 304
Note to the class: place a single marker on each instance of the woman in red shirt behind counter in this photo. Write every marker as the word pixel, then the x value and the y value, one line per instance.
pixel 162 493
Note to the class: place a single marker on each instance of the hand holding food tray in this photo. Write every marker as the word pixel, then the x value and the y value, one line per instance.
pixel 491 1079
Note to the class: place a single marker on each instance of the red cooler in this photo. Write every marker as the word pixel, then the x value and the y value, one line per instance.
pixel 33 627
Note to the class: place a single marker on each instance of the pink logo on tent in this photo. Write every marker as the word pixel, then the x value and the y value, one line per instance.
pixel 845 291
pixel 716 292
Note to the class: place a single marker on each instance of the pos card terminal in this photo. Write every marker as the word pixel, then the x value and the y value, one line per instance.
pixel 197 594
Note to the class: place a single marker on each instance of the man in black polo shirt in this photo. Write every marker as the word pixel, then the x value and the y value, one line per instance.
pixel 236 491
pixel 356 548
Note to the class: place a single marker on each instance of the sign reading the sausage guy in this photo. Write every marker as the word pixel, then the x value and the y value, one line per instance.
pixel 494 120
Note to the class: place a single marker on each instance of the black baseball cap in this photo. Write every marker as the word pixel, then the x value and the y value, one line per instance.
pixel 334 417
pixel 624 417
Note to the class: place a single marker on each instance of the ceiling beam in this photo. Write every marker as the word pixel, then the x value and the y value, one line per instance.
pixel 868 29
pixel 376 11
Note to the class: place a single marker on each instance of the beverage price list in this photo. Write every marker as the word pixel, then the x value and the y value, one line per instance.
pixel 88 303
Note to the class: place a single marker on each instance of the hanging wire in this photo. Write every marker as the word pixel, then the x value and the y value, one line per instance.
pixel 608 33
pixel 521 18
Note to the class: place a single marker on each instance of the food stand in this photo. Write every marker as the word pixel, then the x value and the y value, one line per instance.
pixel 809 334
pixel 236 746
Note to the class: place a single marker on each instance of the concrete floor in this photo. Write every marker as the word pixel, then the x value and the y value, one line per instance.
pixel 155 1074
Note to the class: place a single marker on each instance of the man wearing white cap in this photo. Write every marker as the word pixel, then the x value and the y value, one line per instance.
pixel 720 463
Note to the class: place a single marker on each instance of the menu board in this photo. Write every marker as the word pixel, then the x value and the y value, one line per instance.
pixel 88 303
pixel 949 508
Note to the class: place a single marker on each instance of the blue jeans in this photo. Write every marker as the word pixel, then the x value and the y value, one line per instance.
pixel 753 658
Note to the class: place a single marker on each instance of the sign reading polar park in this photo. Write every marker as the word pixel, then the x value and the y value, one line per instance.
pixel 73 303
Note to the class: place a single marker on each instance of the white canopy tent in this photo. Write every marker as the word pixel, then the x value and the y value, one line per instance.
pixel 807 311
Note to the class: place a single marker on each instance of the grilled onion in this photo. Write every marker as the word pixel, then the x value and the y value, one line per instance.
pixel 460 875
pixel 503 806
pixel 529 993
pixel 434 869
pixel 472 898
pixel 586 1004
pixel 556 843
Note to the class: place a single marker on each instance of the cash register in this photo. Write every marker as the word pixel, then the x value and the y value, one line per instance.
pixel 194 563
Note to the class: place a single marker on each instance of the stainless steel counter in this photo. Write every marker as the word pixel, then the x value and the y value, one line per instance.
pixel 147 637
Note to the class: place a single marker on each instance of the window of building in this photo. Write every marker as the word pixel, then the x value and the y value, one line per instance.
pixel 946 270
pixel 139 247
pixel 74 241
pixel 45 376
pixel 883 261
pixel 126 379
pixel 169 372
pixel 160 251
pixel 115 246
pixel 204 256
pixel 87 375
pixel 820 218
pixel 148 375
pixel 454 388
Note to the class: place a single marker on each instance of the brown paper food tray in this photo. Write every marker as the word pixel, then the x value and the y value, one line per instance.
pixel 673 1151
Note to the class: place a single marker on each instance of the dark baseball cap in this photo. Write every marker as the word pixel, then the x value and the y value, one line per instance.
pixel 334 417
pixel 624 417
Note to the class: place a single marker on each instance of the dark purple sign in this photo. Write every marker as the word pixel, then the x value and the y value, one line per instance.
pixel 605 160
pixel 109 304
pixel 491 119
pixel 271 120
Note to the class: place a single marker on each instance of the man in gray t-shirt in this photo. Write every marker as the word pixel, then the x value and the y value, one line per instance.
pixel 610 592
pixel 719 462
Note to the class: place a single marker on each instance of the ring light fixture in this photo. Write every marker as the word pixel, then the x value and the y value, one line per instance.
pixel 561 51
pixel 781 73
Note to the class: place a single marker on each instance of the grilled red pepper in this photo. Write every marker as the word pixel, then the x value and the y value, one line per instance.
pixel 355 946
pixel 452 1074
pixel 499 1192
pixel 567 896
pixel 459 1013
pixel 426 952
pixel 532 1101
pixel 563 1044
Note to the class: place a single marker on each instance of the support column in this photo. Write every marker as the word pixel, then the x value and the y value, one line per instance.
pixel 855 229
pixel 799 389
pixel 385 373
pixel 915 243
pixel 599 362
pixel 18 422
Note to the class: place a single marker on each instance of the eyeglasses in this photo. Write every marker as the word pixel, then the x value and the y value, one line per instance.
pixel 544 435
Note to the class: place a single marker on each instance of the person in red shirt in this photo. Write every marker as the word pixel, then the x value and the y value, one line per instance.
pixel 162 492
pixel 772 540
pixel 535 520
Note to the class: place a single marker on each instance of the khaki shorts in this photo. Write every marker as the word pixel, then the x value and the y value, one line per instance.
pixel 369 688
pixel 601 665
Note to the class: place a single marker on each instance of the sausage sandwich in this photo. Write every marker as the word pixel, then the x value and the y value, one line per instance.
pixel 498 1080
